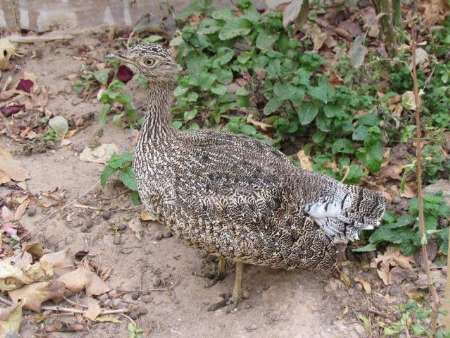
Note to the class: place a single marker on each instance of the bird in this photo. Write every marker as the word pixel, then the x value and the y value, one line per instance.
pixel 233 196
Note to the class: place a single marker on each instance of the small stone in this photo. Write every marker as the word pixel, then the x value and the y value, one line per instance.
pixel 159 236
pixel 89 223
pixel 147 299
pixel 137 310
pixel 135 296
pixel 31 211
pixel 245 294
pixel 106 215
pixel 167 234
pixel 157 282
pixel 122 227
pixel 251 328
pixel 118 303
pixel 84 228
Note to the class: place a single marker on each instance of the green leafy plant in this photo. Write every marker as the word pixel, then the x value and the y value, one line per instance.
pixel 120 166
pixel 117 99
pixel 414 320
pixel 134 331
pixel 403 230
pixel 239 61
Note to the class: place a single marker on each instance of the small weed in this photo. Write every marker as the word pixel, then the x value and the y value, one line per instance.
pixel 120 166
pixel 414 322
pixel 134 331
pixel 404 230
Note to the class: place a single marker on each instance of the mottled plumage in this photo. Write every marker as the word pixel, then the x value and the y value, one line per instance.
pixel 235 196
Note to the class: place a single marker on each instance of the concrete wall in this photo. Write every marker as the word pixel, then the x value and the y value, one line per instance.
pixel 44 15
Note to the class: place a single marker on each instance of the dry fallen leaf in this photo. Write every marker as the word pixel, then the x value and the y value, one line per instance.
pixel 10 320
pixel 357 52
pixel 317 36
pixel 84 278
pixel 107 318
pixel 385 264
pixel 146 216
pixel 10 169
pixel 35 249
pixel 32 296
pixel 305 160
pixel 17 271
pixel 7 49
pixel 365 284
pixel 60 262
pixel 93 309
pixel 100 154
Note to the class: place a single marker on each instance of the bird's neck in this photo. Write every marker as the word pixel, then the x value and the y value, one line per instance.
pixel 158 123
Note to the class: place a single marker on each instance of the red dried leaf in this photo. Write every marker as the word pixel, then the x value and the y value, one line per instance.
pixel 25 85
pixel 124 73
pixel 12 109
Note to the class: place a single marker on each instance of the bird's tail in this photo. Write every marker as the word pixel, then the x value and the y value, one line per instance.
pixel 346 210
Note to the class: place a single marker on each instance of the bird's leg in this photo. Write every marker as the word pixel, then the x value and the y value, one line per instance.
pixel 219 273
pixel 237 289
pixel 221 266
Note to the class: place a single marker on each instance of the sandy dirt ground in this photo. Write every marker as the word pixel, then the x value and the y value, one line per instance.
pixel 157 273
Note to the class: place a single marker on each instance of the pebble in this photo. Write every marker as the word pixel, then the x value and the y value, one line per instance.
pixel 157 282
pixel 147 299
pixel 31 211
pixel 122 227
pixel 251 328
pixel 159 236
pixel 135 296
pixel 137 310
pixel 106 215
pixel 167 234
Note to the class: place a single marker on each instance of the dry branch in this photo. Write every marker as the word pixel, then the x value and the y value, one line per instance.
pixel 420 203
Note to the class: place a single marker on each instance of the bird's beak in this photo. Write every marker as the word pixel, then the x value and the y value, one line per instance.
pixel 119 56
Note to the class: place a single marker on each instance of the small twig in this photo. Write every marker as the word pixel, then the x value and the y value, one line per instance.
pixel 73 201
pixel 39 38
pixel 78 311
pixel 129 318
pixel 420 202
pixel 75 303
pixel 82 206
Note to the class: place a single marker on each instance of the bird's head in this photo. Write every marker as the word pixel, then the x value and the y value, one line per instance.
pixel 151 60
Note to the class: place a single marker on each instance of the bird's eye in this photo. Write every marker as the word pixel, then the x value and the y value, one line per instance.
pixel 149 62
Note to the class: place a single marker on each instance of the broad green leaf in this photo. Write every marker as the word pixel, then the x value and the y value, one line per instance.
pixel 265 40
pixel 102 76
pixel 208 26
pixel 219 90
pixel 224 55
pixel 323 91
pixel 307 113
pixel 128 179
pixel 118 161
pixel 153 38
pixel 272 105
pixel 360 133
pixel 234 28
pixel 332 110
pixel 367 248
pixel 343 146
pixel 190 115
pixel 106 174
pixel 179 91
pixel 223 14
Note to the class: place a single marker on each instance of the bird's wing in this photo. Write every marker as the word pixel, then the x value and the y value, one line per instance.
pixel 232 178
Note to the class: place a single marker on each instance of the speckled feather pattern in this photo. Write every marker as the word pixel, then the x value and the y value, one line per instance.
pixel 237 197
